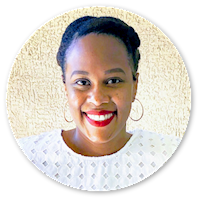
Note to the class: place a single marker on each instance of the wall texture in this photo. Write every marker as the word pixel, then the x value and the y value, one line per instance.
pixel 36 96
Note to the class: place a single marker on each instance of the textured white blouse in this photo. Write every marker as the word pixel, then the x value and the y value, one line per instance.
pixel 143 154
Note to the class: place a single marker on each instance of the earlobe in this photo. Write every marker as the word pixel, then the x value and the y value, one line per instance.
pixel 134 95
pixel 66 90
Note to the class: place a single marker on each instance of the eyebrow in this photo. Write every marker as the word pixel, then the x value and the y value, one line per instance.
pixel 106 72
pixel 114 70
pixel 79 72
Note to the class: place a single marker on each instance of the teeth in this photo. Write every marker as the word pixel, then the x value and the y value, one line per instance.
pixel 100 117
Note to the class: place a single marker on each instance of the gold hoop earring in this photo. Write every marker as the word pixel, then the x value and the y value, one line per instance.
pixel 65 116
pixel 142 112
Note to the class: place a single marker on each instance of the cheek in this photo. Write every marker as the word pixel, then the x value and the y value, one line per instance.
pixel 123 102
pixel 75 99
pixel 125 108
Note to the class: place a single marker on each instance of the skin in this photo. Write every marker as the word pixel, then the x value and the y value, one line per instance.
pixel 98 77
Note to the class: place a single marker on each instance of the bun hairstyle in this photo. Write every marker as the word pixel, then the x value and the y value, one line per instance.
pixel 100 25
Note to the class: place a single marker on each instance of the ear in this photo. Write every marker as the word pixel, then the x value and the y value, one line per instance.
pixel 135 85
pixel 64 85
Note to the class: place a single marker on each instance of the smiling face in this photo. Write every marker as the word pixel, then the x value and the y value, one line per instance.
pixel 99 86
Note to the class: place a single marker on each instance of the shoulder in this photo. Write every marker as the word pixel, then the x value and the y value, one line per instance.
pixel 151 142
pixel 39 142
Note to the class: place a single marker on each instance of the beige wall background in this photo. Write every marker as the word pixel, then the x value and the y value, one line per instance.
pixel 36 97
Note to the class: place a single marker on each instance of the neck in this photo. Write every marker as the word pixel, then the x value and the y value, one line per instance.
pixel 84 146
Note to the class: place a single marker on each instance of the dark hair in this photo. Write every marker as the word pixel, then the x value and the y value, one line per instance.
pixel 100 25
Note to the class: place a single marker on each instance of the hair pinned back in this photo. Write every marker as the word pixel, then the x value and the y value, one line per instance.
pixel 100 25
pixel 134 39
pixel 67 38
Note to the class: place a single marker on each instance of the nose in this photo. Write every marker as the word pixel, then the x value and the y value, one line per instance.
pixel 98 96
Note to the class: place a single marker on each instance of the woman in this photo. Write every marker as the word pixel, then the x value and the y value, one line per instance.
pixel 99 60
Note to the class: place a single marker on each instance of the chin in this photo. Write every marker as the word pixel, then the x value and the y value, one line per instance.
pixel 100 138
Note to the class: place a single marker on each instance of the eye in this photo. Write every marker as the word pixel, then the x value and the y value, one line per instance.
pixel 83 82
pixel 114 81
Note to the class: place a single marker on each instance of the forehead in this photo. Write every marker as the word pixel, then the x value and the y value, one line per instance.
pixel 92 50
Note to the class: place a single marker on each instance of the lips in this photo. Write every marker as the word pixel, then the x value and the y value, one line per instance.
pixel 99 112
pixel 100 118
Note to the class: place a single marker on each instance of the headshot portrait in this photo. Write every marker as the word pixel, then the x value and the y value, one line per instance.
pixel 98 99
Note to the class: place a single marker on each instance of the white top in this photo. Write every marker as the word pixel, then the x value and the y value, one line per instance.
pixel 143 154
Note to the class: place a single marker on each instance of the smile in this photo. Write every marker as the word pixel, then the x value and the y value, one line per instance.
pixel 99 118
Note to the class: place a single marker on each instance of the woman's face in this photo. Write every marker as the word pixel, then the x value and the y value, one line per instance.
pixel 99 86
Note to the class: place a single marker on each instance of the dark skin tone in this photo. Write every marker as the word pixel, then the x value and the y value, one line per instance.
pixel 98 77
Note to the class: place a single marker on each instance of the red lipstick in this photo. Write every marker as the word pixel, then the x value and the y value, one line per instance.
pixel 99 113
